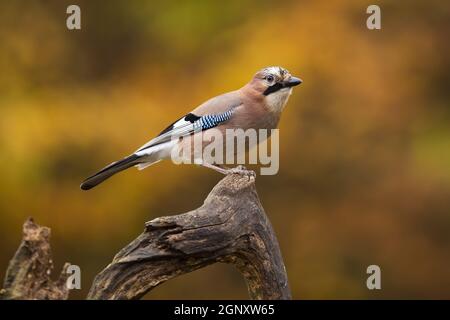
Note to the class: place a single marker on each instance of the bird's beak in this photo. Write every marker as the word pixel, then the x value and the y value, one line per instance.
pixel 292 82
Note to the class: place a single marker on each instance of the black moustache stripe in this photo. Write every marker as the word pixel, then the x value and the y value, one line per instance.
pixel 274 88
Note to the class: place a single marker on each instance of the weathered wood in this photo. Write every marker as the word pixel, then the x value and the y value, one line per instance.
pixel 231 226
pixel 28 273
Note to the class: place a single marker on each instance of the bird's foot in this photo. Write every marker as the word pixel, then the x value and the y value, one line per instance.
pixel 241 170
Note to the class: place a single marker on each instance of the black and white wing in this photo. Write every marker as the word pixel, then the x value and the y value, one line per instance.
pixel 160 147
pixel 185 126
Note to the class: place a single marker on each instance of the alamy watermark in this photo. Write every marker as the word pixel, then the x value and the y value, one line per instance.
pixel 230 147
pixel 374 280
pixel 73 21
pixel 373 22
pixel 74 280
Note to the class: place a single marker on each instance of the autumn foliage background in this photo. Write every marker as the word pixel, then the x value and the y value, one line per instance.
pixel 365 140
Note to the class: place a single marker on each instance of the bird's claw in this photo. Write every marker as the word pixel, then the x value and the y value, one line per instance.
pixel 241 170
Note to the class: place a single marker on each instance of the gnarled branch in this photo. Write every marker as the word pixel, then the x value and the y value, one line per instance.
pixel 231 227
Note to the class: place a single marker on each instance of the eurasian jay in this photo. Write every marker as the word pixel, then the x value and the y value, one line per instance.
pixel 257 105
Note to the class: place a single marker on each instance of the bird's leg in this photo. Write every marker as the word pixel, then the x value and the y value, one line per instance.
pixel 214 167
pixel 224 170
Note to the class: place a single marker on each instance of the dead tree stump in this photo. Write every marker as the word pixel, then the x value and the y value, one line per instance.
pixel 231 227
pixel 28 274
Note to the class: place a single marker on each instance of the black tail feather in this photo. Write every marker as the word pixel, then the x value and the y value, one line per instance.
pixel 110 170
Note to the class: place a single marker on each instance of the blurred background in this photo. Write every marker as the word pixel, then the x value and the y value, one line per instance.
pixel 365 140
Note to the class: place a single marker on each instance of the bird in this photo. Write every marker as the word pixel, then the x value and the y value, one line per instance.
pixel 258 105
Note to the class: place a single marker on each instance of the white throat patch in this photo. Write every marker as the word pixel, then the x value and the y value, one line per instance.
pixel 276 101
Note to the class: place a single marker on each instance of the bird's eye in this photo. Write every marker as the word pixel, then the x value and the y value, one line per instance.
pixel 269 78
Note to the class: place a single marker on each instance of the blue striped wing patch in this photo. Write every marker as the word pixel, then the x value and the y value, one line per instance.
pixel 212 120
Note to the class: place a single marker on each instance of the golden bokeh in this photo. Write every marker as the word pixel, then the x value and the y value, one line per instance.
pixel 365 140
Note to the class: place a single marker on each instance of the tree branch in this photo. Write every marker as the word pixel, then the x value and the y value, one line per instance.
pixel 231 227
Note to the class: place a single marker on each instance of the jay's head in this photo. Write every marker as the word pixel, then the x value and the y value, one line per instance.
pixel 275 85
pixel 273 79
